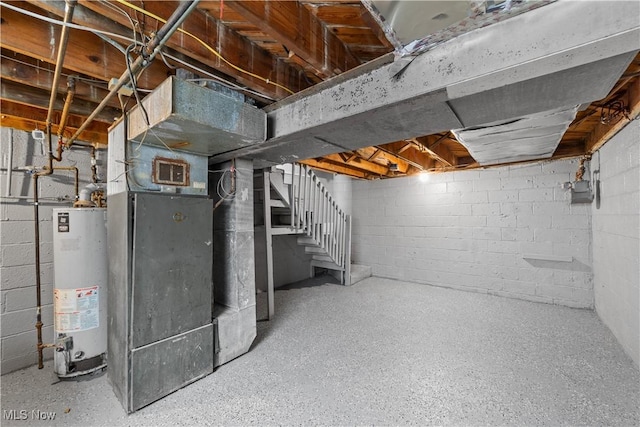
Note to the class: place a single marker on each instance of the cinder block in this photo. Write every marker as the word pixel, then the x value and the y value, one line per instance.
pixel 559 166
pixel 536 195
pixel 508 234
pixel 470 175
pixel 552 235
pixel 503 196
pixel 570 222
pixel 474 197
pixel 486 184
pixel 487 233
pixel 488 209
pixel 501 220
pixel 502 246
pixel 24 298
pixel 550 208
pixel 13 232
pixel 496 172
pixel 516 183
pixel 17 277
pixel 533 221
pixel 459 186
pixel 15 322
pixel 435 188
pixel 536 248
pixel 22 344
pixel 516 208
pixel 16 255
pixel 473 221
pixel 551 181
pixel 524 234
pixel 525 169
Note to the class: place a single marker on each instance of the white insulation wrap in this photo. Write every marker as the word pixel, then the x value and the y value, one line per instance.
pixel 80 290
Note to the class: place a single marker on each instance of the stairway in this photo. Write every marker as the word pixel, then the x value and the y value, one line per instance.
pixel 297 202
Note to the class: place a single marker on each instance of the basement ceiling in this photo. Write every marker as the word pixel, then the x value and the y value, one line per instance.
pixel 270 50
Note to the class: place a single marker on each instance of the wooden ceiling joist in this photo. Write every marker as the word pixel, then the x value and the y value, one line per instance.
pixel 86 53
pixel 38 98
pixel 300 31
pixel 359 163
pixel 28 118
pixel 327 166
pixel 605 131
pixel 27 71
pixel 237 50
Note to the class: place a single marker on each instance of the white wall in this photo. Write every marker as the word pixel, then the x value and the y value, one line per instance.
pixel 616 238
pixel 471 230
pixel 17 266
pixel 339 186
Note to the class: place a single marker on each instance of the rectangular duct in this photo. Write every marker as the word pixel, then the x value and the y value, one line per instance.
pixel 187 117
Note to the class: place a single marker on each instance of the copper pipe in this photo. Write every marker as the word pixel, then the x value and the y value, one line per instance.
pixel 62 49
pixel 71 91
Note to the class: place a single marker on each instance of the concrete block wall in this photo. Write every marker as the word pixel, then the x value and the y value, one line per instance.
pixel 616 237
pixel 503 231
pixel 17 265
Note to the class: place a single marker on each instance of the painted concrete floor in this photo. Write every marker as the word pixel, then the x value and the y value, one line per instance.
pixel 382 352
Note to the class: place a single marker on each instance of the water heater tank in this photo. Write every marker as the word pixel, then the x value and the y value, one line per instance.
pixel 80 290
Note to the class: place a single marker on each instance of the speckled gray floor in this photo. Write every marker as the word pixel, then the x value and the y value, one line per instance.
pixel 384 353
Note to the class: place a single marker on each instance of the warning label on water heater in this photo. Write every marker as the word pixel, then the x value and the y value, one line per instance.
pixel 76 309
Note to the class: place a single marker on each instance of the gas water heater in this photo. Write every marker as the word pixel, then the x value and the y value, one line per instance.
pixel 80 290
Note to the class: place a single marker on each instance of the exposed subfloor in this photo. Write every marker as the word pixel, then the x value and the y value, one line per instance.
pixel 383 352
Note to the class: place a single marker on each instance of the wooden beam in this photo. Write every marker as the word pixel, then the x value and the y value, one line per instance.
pixel 359 164
pixel 375 27
pixel 604 132
pixel 39 98
pixel 27 71
pixel 333 168
pixel 293 25
pixel 236 49
pixel 423 147
pixel 27 118
pixel 386 156
pixel 86 53
pixel 398 159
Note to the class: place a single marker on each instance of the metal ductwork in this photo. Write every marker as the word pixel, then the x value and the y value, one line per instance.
pixel 187 117
pixel 526 138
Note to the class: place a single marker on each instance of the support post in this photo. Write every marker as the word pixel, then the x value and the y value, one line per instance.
pixel 269 243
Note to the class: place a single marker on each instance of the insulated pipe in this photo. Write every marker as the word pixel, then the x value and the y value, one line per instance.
pixel 36 217
pixel 150 52
pixel 62 49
